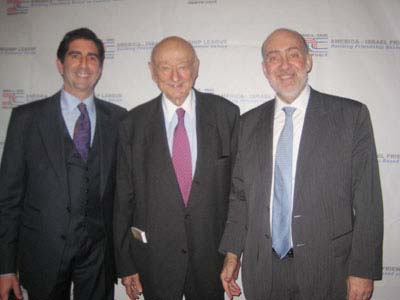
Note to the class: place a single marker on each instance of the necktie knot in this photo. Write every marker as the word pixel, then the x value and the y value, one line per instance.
pixel 181 114
pixel 289 110
pixel 82 108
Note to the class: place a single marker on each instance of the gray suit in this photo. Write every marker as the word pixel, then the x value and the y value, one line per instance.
pixel 337 223
pixel 148 197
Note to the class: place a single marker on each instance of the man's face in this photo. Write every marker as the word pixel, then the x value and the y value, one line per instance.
pixel 174 69
pixel 286 64
pixel 81 68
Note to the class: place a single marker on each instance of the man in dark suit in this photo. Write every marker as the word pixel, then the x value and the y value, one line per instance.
pixel 57 184
pixel 305 207
pixel 173 178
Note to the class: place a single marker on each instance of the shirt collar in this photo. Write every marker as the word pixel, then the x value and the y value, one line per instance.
pixel 70 102
pixel 170 108
pixel 300 103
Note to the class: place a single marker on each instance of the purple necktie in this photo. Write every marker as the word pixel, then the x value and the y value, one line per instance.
pixel 181 157
pixel 82 132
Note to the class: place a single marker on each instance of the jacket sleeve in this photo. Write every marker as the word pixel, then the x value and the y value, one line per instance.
pixel 366 251
pixel 124 206
pixel 12 192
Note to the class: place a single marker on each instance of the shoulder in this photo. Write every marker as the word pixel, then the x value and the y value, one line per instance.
pixel 215 101
pixel 332 102
pixel 144 112
pixel 110 107
pixel 258 112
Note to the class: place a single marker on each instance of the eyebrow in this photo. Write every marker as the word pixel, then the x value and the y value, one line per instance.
pixel 287 49
pixel 79 52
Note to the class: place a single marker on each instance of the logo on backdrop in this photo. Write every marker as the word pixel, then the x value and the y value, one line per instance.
pixel 17 7
pixel 365 44
pixel 14 98
pixel 252 99
pixel 391 271
pixel 318 44
pixel 215 43
pixel 114 47
pixel 202 1
pixel 17 50
pixel 110 97
pixel 389 158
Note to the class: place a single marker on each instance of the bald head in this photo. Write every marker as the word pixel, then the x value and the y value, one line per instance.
pixel 173 42
pixel 284 32
pixel 174 67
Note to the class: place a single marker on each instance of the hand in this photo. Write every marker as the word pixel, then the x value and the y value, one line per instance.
pixel 359 288
pixel 133 286
pixel 229 274
pixel 8 283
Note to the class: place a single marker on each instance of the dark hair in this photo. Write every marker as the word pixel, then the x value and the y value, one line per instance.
pixel 80 33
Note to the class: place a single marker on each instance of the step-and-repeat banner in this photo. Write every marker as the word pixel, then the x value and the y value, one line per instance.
pixel 355 46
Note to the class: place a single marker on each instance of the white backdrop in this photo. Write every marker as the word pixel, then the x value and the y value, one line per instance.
pixel 355 44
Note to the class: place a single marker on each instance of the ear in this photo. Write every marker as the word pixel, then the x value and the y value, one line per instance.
pixel 264 68
pixel 152 71
pixel 60 67
pixel 309 63
pixel 196 67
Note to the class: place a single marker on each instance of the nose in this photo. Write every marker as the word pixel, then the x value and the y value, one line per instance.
pixel 84 60
pixel 175 74
pixel 284 62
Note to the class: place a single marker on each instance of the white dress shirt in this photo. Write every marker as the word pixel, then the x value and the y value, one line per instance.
pixel 171 120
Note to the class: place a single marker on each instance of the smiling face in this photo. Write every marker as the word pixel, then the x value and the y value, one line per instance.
pixel 174 68
pixel 81 68
pixel 286 64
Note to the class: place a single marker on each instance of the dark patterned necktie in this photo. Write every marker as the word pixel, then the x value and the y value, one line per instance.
pixel 82 132
pixel 181 157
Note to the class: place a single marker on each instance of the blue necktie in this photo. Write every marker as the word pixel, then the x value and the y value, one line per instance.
pixel 82 132
pixel 281 210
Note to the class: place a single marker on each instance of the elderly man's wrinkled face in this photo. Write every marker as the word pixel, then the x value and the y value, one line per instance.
pixel 174 69
pixel 286 64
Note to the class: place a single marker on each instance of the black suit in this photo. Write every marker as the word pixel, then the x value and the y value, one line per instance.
pixel 337 223
pixel 35 201
pixel 148 197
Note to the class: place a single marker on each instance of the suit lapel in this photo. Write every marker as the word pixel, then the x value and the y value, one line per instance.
pixel 50 127
pixel 106 142
pixel 261 183
pixel 157 150
pixel 314 131
pixel 206 131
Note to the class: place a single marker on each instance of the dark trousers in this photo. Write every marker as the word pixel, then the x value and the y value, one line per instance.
pixel 284 284
pixel 83 265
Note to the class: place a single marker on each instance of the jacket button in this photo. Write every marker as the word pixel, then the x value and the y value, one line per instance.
pixel 69 209
pixel 63 237
pixel 187 216
pixel 184 251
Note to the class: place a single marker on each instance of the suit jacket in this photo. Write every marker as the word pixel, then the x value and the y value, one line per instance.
pixel 34 192
pixel 148 197
pixel 337 222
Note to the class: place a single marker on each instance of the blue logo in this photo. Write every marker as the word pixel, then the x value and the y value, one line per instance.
pixel 389 158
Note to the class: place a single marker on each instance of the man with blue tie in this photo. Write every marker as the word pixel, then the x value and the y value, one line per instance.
pixel 173 177
pixel 57 185
pixel 305 209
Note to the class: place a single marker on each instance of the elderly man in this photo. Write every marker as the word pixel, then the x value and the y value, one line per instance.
pixel 57 184
pixel 173 179
pixel 305 207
